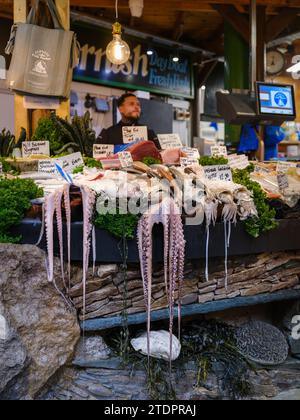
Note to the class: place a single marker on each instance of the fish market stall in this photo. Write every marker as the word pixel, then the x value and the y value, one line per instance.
pixel 197 237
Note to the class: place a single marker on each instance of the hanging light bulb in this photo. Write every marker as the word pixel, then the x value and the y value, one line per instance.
pixel 176 57
pixel 150 50
pixel 117 51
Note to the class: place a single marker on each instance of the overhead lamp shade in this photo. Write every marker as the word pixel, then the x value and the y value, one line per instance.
pixel 136 8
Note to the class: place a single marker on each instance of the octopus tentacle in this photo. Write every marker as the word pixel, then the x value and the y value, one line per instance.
pixel 49 217
pixel 67 204
pixel 58 211
pixel 88 202
pixel 166 213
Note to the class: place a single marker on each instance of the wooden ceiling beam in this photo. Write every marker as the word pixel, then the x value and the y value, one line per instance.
pixel 279 23
pixel 184 5
pixel 179 27
pixel 236 19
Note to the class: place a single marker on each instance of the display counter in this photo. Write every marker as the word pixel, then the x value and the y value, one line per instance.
pixel 284 238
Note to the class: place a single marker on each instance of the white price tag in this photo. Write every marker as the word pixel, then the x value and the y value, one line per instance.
pixel 185 162
pixel 169 141
pixel 70 162
pixel 284 167
pixel 191 152
pixel 132 134
pixel 218 173
pixel 125 159
pixel 218 151
pixel 102 150
pixel 47 167
pixel 238 161
pixel 33 148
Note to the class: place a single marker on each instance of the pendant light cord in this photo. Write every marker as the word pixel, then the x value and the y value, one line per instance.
pixel 117 13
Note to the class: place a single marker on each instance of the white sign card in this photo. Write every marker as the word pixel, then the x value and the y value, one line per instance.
pixel 70 162
pixel 132 134
pixel 218 151
pixel 284 167
pixel 186 161
pixel 191 153
pixel 125 159
pixel 33 148
pixel 238 161
pixel 103 150
pixel 169 141
pixel 218 173
pixel 47 167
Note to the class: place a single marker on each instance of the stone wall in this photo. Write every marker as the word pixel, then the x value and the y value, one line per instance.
pixel 38 332
pixel 117 383
pixel 248 276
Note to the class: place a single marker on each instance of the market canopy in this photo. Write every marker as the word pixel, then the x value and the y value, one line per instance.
pixel 197 22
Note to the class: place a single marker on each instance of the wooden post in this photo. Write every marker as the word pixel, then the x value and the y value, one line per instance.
pixel 63 7
pixel 21 114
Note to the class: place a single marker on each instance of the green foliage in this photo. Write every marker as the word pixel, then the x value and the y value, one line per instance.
pixel 266 215
pixel 7 143
pixel 7 168
pixel 119 225
pixel 78 170
pixel 92 163
pixel 89 163
pixel 15 196
pixel 47 130
pixel 76 134
pixel 212 345
pixel 64 136
pixel 212 161
pixel 151 161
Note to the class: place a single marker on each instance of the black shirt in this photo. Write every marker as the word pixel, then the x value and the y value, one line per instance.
pixel 114 135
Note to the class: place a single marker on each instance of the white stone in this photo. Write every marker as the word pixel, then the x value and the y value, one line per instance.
pixel 4 330
pixel 159 345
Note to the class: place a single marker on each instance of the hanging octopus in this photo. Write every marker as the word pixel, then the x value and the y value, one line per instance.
pixel 168 214
pixel 52 208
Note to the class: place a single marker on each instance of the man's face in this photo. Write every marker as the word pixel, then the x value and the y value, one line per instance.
pixel 131 109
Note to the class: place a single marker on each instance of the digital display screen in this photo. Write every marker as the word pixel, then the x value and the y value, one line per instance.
pixel 276 99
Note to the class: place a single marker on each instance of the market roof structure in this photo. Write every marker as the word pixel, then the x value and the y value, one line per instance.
pixel 196 22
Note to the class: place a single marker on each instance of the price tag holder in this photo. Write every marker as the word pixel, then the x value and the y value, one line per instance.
pixel 34 148
pixel 102 150
pixel 125 159
pixel 132 134
pixel 218 173
pixel 169 141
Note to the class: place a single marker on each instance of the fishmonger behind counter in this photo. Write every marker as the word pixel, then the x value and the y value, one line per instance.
pixel 130 109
